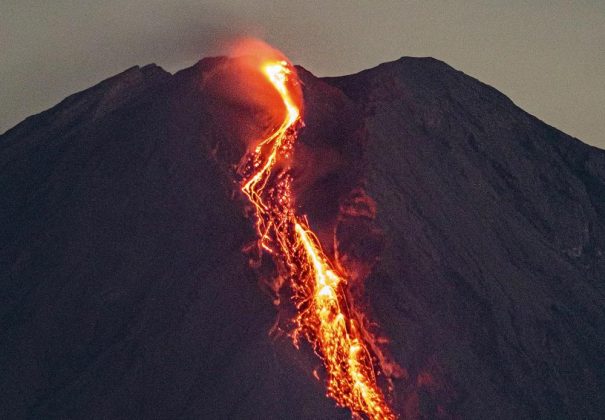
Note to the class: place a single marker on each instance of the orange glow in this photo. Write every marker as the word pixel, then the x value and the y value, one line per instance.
pixel 324 316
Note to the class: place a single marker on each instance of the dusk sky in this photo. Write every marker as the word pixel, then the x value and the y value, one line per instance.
pixel 547 56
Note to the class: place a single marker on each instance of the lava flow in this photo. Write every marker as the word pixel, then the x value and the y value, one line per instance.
pixel 324 315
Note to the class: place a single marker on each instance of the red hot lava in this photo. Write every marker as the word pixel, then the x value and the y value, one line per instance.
pixel 324 315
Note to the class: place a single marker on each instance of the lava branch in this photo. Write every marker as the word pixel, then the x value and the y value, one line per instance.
pixel 324 315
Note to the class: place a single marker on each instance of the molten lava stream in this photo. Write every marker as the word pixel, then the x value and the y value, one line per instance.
pixel 323 316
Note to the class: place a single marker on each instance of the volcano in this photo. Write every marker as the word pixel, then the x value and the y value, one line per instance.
pixel 126 294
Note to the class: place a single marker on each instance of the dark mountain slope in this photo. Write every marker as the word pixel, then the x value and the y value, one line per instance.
pixel 125 293
pixel 494 274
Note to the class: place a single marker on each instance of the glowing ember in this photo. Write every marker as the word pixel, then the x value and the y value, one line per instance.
pixel 324 316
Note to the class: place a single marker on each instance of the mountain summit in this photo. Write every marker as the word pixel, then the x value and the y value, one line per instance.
pixel 126 294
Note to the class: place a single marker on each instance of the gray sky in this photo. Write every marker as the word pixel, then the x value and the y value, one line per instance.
pixel 547 56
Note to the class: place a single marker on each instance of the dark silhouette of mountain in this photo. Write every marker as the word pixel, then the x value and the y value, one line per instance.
pixel 125 292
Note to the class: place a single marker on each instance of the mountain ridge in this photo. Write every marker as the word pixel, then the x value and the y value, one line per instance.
pixel 118 218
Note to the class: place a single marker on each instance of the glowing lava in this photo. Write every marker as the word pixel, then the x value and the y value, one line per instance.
pixel 324 316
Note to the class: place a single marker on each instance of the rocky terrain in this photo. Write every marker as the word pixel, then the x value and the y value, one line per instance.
pixel 125 292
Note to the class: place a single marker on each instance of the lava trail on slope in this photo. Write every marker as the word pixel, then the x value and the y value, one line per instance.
pixel 325 316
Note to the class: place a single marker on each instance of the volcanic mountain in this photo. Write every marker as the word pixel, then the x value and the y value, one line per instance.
pixel 125 292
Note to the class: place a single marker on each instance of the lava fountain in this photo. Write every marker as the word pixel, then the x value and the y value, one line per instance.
pixel 324 316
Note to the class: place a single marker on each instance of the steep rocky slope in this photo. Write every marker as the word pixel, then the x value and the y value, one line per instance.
pixel 493 278
pixel 125 293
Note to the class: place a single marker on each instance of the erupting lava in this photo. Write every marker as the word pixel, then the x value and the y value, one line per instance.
pixel 324 315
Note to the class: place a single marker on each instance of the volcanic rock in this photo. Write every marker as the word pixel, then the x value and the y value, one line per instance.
pixel 125 292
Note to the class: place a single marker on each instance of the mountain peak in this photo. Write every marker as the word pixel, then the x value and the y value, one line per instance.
pixel 97 100
pixel 126 293
pixel 427 78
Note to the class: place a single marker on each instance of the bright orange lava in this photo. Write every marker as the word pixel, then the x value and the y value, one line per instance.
pixel 323 316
